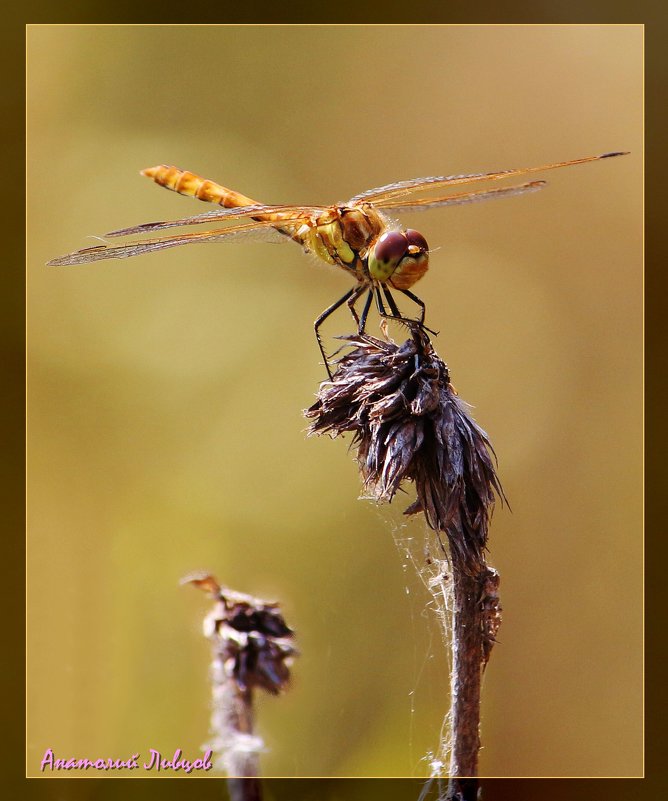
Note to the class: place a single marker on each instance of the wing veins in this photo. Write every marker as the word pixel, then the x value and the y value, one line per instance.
pixel 459 199
pixel 100 252
pixel 295 213
pixel 402 188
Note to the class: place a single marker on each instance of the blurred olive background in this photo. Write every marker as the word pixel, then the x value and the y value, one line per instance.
pixel 166 392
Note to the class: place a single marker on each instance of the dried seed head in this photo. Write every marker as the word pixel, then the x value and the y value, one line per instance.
pixel 409 425
pixel 253 641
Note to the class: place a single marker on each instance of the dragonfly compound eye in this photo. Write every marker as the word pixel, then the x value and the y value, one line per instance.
pixel 416 238
pixel 414 264
pixel 386 254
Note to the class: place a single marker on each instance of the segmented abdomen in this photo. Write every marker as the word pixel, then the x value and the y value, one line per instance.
pixel 187 183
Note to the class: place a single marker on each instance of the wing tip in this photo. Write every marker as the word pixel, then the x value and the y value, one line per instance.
pixel 120 232
pixel 79 256
pixel 615 153
pixel 63 261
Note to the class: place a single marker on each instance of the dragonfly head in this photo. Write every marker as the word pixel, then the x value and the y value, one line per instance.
pixel 399 258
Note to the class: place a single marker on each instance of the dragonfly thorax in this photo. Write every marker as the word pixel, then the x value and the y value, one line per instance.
pixel 343 236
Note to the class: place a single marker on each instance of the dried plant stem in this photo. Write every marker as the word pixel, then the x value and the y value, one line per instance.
pixel 232 727
pixel 244 789
pixel 476 621
pixel 252 648
pixel 409 425
pixel 463 790
pixel 466 674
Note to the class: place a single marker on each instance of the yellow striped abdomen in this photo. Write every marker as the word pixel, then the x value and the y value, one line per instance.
pixel 187 183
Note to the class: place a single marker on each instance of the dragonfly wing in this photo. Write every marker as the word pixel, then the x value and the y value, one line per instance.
pixel 457 200
pixel 403 188
pixel 278 214
pixel 399 187
pixel 255 231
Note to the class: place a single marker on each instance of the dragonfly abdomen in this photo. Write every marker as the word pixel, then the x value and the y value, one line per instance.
pixel 188 183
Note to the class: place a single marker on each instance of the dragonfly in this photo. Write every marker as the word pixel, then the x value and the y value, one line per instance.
pixel 360 236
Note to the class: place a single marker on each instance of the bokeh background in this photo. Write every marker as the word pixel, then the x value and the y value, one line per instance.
pixel 165 393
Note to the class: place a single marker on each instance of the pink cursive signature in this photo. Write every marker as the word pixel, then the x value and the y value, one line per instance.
pixel 156 762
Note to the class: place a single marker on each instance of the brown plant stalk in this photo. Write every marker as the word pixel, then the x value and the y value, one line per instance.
pixel 252 648
pixel 409 425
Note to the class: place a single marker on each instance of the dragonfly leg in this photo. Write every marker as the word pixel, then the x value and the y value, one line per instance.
pixel 352 300
pixel 413 325
pixel 396 314
pixel 379 302
pixel 384 316
pixel 365 312
pixel 419 302
pixel 390 300
pixel 350 297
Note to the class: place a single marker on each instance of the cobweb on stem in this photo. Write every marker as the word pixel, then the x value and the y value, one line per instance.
pixel 425 556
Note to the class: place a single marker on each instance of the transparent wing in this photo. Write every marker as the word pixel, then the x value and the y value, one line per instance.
pixel 459 199
pixel 403 188
pixel 279 214
pixel 255 231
